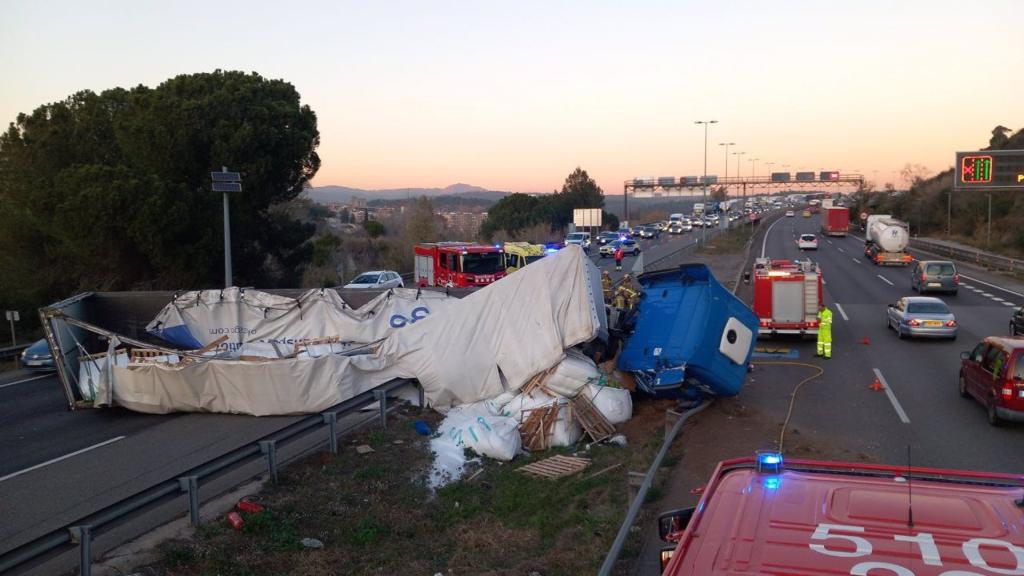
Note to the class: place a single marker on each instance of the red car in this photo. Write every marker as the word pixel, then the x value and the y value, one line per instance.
pixel 993 373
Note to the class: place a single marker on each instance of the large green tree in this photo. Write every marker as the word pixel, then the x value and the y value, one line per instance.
pixel 520 211
pixel 112 190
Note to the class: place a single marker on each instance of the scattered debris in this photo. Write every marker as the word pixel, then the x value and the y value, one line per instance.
pixel 593 422
pixel 556 467
pixel 312 543
pixel 538 427
pixel 618 440
pixel 249 506
pixel 235 520
pixel 422 428
pixel 603 470
pixel 364 449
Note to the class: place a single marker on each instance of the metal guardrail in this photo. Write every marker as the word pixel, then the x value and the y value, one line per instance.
pixel 12 351
pixel 970 255
pixel 82 531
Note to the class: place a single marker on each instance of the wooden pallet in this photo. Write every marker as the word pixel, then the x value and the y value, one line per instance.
pixel 538 427
pixel 594 423
pixel 537 382
pixel 556 467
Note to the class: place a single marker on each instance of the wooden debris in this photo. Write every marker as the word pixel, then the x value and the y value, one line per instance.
pixel 538 427
pixel 364 449
pixel 556 467
pixel 537 381
pixel 305 344
pixel 594 423
pixel 603 470
pixel 211 346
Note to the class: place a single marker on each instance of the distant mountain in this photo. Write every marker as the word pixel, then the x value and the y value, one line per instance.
pixel 343 194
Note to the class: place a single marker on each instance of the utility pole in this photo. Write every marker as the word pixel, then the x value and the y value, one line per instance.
pixel 703 229
pixel 225 182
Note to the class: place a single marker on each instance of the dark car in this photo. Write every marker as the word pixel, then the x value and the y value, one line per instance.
pixel 993 374
pixel 1017 322
pixel 935 276
pixel 606 237
pixel 38 357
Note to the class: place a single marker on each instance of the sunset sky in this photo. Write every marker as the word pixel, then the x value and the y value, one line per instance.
pixel 514 95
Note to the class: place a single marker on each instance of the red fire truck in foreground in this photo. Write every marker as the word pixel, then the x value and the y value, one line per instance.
pixel 458 264
pixel 763 516
pixel 787 295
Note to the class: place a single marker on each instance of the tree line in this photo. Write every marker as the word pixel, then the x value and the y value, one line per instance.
pixel 111 191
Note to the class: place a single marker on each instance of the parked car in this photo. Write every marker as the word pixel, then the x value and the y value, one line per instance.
pixel 807 242
pixel 993 374
pixel 1017 322
pixel 628 246
pixel 606 237
pixel 921 316
pixel 935 275
pixel 376 279
pixel 38 357
pixel 789 213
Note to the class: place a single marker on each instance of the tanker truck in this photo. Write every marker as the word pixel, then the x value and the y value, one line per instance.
pixel 885 241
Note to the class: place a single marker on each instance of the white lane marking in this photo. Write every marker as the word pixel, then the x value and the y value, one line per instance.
pixel 993 286
pixel 968 286
pixel 25 380
pixel 998 299
pixel 830 242
pixel 892 397
pixel 884 279
pixel 855 260
pixel 1008 304
pixel 842 312
pixel 841 250
pixel 986 294
pixel 59 458
pixel 764 241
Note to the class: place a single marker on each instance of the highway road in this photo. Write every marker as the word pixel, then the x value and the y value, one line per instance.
pixel 922 408
pixel 59 465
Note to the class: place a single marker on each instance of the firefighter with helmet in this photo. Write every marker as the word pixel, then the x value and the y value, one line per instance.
pixel 626 296
pixel 606 286
pixel 824 332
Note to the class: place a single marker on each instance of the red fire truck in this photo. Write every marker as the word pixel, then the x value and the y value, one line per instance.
pixel 458 264
pixel 764 516
pixel 787 295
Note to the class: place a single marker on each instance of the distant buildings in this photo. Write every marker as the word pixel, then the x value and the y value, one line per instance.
pixel 466 224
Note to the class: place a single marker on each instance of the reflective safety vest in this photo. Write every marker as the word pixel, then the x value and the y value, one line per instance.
pixel 825 325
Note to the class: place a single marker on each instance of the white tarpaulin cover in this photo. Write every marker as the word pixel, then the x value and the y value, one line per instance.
pixel 195 319
pixel 475 348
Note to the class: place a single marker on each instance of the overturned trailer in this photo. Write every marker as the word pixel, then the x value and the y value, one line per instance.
pixel 288 352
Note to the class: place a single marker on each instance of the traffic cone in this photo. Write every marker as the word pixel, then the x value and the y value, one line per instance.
pixel 865 341
pixel 876 385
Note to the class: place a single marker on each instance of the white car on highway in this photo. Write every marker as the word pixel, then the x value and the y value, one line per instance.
pixel 790 213
pixel 807 242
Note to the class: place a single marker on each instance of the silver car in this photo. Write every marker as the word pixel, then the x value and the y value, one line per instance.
pixel 921 316
pixel 376 279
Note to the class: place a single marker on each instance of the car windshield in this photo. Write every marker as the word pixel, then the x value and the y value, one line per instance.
pixel 577 236
pixel 927 308
pixel 482 263
pixel 530 259
pixel 366 279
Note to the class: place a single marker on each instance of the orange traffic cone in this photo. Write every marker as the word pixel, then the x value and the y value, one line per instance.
pixel 865 341
pixel 876 385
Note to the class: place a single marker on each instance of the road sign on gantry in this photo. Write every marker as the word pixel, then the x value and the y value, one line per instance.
pixel 990 170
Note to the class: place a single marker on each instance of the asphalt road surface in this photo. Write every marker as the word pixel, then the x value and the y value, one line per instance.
pixel 922 408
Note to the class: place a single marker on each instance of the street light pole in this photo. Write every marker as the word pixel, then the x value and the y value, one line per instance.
pixel 753 167
pixel 727 144
pixel 988 241
pixel 738 175
pixel 703 229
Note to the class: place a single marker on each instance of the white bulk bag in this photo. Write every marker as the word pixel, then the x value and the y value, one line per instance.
pixel 572 374
pixel 615 404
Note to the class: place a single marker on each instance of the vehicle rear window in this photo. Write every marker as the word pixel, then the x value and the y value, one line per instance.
pixel 808 237
pixel 366 279
pixel 927 308
pixel 939 270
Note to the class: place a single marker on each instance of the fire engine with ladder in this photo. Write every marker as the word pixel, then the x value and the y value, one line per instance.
pixel 787 296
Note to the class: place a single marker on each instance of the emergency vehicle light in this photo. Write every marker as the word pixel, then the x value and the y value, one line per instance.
pixel 778 273
pixel 769 461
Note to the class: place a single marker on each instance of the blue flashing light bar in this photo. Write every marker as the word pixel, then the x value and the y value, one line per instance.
pixel 769 461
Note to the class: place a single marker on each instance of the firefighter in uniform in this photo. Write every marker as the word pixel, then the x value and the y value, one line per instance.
pixel 824 332
pixel 606 286
pixel 626 296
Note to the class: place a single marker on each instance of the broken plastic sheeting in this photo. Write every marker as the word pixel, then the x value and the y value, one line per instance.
pixel 507 332
pixel 198 318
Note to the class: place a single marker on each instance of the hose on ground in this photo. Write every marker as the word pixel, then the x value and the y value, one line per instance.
pixel 792 397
